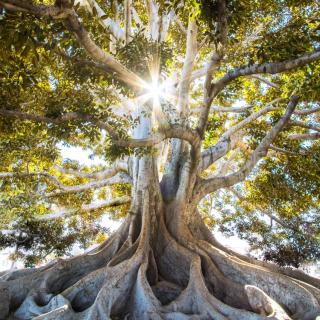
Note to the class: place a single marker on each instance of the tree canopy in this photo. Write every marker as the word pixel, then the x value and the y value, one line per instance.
pixel 70 71
pixel 204 115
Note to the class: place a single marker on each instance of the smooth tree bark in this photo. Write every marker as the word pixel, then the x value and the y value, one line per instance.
pixel 163 262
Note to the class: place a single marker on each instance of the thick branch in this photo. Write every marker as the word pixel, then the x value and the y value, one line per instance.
pixel 107 173
pixel 154 19
pixel 179 132
pixel 74 25
pixel 87 207
pixel 96 53
pixel 305 136
pixel 306 112
pixel 211 185
pixel 174 131
pixel 128 19
pixel 268 67
pixel 213 64
pixel 297 123
pixel 222 25
pixel 108 23
pixel 119 178
pixel 191 51
pixel 214 153
pixel 165 24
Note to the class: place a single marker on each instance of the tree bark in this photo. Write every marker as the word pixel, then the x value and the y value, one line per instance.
pixel 163 263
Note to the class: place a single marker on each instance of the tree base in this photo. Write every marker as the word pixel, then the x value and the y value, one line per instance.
pixel 146 272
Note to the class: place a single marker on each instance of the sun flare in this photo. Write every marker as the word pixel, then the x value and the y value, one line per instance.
pixel 155 91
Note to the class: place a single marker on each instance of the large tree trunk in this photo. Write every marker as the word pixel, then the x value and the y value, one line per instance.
pixel 163 263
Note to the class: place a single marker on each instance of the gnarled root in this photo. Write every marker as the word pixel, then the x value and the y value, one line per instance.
pixel 299 301
pixel 263 304
pixel 155 275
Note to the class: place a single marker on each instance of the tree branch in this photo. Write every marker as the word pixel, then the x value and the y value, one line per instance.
pixel 222 24
pixel 165 24
pixel 109 172
pixel 266 81
pixel 214 153
pixel 70 116
pixel 86 207
pixel 107 23
pixel 267 108
pixel 223 146
pixel 267 68
pixel 211 185
pixel 62 189
pixel 306 112
pixel 224 166
pixel 297 123
pixel 118 178
pixel 180 25
pixel 174 131
pixel 305 136
pixel 281 150
pixel 136 17
pixel 204 114
pixel 128 20
pixel 73 24
pixel 189 60
pixel 47 175
pixel 154 19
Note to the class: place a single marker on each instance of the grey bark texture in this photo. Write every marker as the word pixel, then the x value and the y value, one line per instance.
pixel 163 262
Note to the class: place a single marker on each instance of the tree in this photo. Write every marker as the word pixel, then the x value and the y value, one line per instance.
pixel 135 85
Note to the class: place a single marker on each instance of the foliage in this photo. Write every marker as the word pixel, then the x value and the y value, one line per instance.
pixel 44 71
pixel 283 189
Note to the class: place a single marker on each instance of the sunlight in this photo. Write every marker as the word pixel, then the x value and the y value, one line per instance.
pixel 155 90
pixel 158 90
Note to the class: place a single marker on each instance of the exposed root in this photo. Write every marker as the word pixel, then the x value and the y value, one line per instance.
pixel 201 232
pixel 55 277
pixel 285 290
pixel 166 291
pixel 264 305
pixel 155 275
pixel 218 284
pixel 173 260
pixel 30 307
pixel 144 305
pixel 196 299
